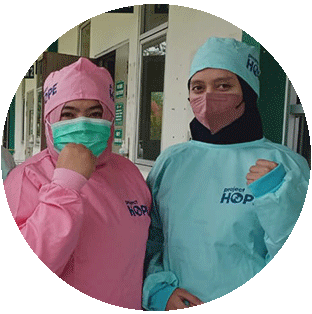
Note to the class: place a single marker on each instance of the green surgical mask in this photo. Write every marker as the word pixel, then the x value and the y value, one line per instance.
pixel 92 133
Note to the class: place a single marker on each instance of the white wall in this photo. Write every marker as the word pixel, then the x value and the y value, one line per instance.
pixel 111 29
pixel 188 30
pixel 68 43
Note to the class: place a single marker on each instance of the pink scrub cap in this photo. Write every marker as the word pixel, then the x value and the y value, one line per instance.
pixel 80 80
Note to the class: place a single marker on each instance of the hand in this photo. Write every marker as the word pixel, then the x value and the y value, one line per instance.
pixel 179 298
pixel 78 158
pixel 261 168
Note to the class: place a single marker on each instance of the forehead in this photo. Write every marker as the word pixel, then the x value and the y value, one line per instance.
pixel 210 74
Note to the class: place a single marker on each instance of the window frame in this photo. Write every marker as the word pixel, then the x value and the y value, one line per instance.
pixel 154 34
pixel 80 28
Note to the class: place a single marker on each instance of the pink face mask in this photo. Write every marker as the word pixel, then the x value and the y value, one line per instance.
pixel 216 111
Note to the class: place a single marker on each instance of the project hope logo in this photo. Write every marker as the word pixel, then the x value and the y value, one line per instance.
pixel 235 196
pixel 50 91
pixel 253 65
pixel 135 209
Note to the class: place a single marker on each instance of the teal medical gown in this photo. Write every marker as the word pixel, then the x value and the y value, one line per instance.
pixel 210 233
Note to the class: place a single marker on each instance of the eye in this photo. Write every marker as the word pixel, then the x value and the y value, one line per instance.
pixel 96 114
pixel 197 88
pixel 224 87
pixel 67 115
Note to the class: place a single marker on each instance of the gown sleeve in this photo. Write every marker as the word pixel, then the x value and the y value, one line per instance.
pixel 49 215
pixel 279 198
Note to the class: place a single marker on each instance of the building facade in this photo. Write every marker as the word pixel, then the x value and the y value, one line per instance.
pixel 148 50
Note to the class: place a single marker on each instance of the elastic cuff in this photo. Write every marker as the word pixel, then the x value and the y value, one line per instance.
pixel 159 300
pixel 269 183
pixel 68 179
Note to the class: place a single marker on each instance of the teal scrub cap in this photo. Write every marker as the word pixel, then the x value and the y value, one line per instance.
pixel 229 54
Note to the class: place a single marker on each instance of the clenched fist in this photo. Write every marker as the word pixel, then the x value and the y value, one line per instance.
pixel 261 168
pixel 78 158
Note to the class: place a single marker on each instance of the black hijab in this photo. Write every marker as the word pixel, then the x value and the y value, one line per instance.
pixel 245 129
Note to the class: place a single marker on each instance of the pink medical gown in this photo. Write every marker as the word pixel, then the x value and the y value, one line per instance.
pixel 91 233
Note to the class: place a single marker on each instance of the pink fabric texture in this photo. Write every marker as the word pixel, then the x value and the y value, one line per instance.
pixel 80 80
pixel 91 233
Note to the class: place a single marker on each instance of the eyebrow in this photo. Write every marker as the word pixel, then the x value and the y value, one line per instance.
pixel 77 109
pixel 95 107
pixel 219 79
pixel 70 108
pixel 225 78
pixel 196 82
